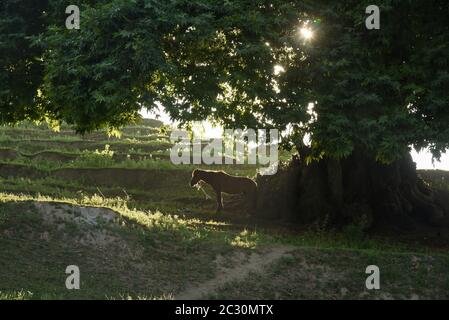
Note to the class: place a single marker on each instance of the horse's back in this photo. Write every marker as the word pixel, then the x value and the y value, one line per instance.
pixel 233 184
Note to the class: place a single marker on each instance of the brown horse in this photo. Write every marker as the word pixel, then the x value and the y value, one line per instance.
pixel 223 182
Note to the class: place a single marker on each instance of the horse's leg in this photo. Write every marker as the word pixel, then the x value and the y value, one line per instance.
pixel 219 201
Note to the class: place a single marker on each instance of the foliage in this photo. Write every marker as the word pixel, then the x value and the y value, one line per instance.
pixel 239 62
pixel 21 66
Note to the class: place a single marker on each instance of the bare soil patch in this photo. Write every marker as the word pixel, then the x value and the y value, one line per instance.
pixel 235 268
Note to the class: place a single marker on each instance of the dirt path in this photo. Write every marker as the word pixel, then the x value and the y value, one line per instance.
pixel 243 265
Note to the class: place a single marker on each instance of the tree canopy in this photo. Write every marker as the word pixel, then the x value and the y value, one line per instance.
pixel 240 62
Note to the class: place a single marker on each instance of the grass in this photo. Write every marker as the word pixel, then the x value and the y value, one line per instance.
pixel 159 255
pixel 324 273
pixel 165 251
pixel 165 237
pixel 16 295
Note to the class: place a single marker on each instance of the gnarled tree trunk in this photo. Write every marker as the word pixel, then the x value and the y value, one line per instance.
pixel 356 190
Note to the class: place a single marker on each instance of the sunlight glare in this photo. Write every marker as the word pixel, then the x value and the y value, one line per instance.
pixel 278 69
pixel 306 33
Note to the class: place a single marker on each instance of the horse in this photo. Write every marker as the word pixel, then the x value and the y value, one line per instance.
pixel 220 181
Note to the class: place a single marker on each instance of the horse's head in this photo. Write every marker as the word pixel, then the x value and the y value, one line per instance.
pixel 195 177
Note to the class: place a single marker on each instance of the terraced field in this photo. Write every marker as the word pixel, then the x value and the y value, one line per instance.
pixel 135 166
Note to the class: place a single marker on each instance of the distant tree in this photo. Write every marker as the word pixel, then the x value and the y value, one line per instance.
pixel 375 93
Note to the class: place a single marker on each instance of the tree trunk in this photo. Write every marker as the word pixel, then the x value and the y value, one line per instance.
pixel 356 190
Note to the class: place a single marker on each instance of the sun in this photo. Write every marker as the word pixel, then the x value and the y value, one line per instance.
pixel 306 33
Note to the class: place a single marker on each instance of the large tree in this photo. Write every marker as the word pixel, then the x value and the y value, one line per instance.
pixel 375 93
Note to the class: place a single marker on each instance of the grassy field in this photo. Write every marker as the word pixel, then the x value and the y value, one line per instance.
pixel 118 209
